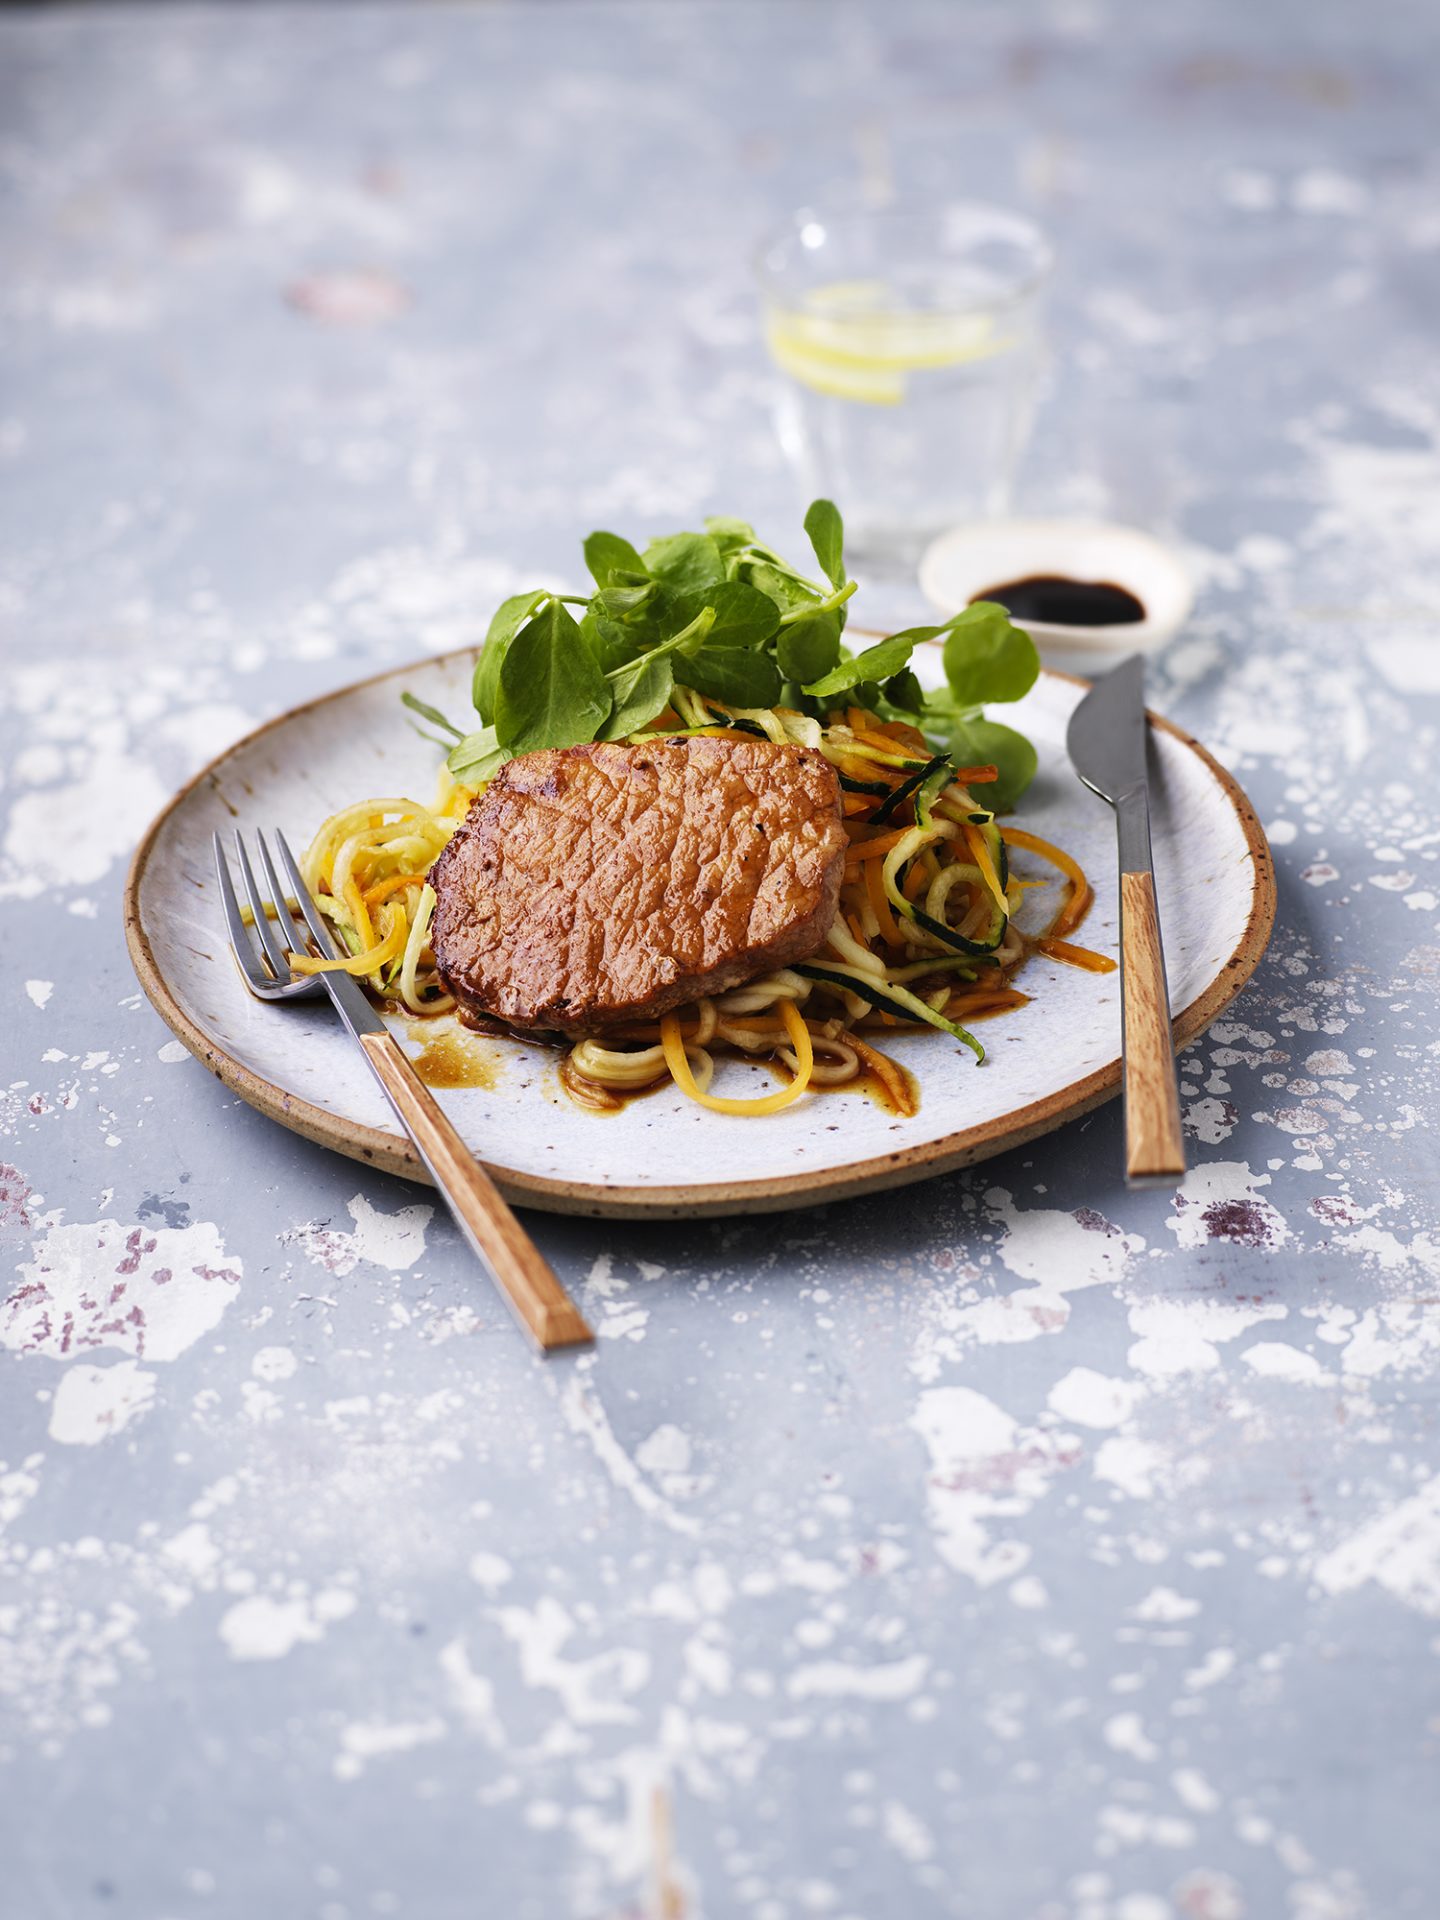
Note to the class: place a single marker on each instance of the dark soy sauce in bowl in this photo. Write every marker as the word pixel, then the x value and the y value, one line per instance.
pixel 1058 602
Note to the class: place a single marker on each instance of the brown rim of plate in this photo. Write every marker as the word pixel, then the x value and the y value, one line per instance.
pixel 393 1153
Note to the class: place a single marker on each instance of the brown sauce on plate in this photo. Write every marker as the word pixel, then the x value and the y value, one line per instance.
pixel 451 1059
pixel 871 1087
pixel 1059 602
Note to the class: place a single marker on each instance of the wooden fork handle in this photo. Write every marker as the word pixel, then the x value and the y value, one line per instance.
pixel 1154 1144
pixel 534 1295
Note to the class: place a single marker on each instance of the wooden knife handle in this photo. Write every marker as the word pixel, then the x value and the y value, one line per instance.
pixel 514 1262
pixel 1154 1144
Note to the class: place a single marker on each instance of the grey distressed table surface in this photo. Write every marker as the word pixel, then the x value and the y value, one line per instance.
pixel 1008 1546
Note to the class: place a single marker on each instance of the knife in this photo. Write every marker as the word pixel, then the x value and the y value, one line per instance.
pixel 1107 741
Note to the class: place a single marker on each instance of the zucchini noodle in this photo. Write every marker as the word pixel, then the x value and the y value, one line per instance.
pixel 924 935
pixel 367 872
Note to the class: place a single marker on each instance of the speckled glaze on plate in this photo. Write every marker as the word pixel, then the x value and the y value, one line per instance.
pixel 662 1155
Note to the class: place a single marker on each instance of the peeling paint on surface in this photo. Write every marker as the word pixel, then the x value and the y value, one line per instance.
pixel 91 1403
pixel 150 1294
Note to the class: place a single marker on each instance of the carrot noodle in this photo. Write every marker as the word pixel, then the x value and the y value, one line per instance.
pixel 367 963
pixel 871 849
pixel 382 890
pixel 981 855
pixel 368 870
pixel 1076 956
pixel 875 887
pixel 1076 907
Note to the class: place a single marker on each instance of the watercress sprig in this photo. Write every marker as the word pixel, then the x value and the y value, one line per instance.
pixel 719 612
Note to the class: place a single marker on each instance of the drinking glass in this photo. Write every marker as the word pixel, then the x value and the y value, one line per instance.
pixel 911 349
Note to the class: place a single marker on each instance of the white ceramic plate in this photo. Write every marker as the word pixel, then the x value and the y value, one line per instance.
pixel 662 1155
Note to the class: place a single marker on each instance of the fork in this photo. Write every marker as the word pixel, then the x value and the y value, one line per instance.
pixel 507 1253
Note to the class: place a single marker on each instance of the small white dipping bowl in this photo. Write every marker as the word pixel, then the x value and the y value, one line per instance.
pixel 961 565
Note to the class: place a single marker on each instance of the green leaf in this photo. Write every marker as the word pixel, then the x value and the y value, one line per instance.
pixel 689 562
pixel 729 535
pixel 611 643
pixel 974 741
pixel 986 657
pixel 736 675
pixel 618 601
pixel 607 554
pixel 477 757
pixel 432 714
pixel 509 617
pixel 787 590
pixel 827 536
pixel 744 617
pixel 876 663
pixel 809 648
pixel 625 635
pixel 640 691
pixel 690 638
pixel 903 690
pixel 552 692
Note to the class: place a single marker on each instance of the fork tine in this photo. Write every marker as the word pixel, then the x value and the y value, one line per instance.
pixel 319 932
pixel 278 893
pixel 240 945
pixel 269 940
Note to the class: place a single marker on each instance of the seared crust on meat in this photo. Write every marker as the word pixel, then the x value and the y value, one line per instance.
pixel 594 886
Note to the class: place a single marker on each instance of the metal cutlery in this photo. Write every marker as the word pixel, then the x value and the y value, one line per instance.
pixel 1107 741
pixel 509 1256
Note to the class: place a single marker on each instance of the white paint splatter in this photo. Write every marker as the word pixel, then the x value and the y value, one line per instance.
pixel 906 1832
pixel 1399 1336
pixel 262 1628
pixel 1194 1791
pixel 1219 1201
pixel 1091 1399
pixel 40 992
pixel 1218 1665
pixel 1384 1249
pixel 194 1551
pixel 1211 1121
pixel 1321 190
pixel 983 1466
pixel 71 836
pixel 91 1403
pixel 148 1292
pixel 1178 1334
pixel 841 1680
pixel 490 1571
pixel 365 1740
pixel 585 1415
pixel 1165 1605
pixel 18 1487
pixel 471 1693
pixel 1278 1360
pixel 1125 1733
pixel 1062 1252
pixel 666 1450
pixel 274 1363
pixel 1398 1550
pixel 1131 1464
pixel 394 1240
pixel 593 1692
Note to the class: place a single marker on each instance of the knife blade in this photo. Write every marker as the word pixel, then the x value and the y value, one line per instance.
pixel 1108 740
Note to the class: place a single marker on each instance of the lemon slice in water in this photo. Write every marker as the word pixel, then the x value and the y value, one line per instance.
pixel 852 341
